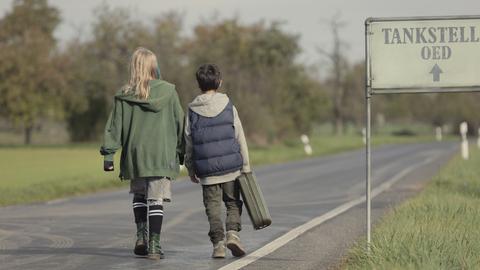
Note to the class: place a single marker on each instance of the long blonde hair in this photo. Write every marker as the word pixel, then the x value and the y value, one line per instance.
pixel 143 68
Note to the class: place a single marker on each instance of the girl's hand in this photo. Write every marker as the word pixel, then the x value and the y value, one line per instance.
pixel 108 166
pixel 194 179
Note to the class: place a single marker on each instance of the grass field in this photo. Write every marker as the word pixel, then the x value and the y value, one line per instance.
pixel 44 173
pixel 32 174
pixel 438 229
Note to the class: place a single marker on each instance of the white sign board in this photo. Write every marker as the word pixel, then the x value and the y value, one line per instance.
pixel 423 54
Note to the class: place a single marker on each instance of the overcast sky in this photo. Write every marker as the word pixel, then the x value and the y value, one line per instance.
pixel 304 17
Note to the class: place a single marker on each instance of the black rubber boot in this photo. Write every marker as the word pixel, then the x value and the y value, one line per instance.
pixel 141 245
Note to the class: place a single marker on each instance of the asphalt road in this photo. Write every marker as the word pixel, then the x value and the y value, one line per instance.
pixel 96 231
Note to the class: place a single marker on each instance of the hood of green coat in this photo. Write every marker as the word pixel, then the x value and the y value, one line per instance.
pixel 160 95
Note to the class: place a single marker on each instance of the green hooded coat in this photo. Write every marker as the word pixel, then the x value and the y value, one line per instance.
pixel 150 133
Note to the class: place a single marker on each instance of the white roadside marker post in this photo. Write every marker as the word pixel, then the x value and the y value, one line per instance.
pixel 464 146
pixel 478 140
pixel 438 134
pixel 306 144
pixel 364 135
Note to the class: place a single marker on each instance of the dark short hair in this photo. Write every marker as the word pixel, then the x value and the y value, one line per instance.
pixel 208 77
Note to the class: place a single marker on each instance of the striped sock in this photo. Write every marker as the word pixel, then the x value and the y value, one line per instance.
pixel 140 208
pixel 155 218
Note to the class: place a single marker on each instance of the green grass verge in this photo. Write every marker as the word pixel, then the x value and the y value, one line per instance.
pixel 40 173
pixel 32 174
pixel 438 229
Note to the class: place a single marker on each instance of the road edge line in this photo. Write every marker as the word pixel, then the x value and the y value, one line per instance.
pixel 299 230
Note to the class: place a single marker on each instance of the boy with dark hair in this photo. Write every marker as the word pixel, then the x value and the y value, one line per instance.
pixel 216 154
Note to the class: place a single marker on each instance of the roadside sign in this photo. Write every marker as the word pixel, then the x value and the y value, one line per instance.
pixel 417 55
pixel 423 54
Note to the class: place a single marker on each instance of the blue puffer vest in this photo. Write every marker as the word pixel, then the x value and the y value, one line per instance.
pixel 215 149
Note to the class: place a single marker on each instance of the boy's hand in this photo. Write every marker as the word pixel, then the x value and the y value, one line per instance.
pixel 108 166
pixel 194 179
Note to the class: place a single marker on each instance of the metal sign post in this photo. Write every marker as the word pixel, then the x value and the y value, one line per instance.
pixel 418 55
pixel 368 136
pixel 369 167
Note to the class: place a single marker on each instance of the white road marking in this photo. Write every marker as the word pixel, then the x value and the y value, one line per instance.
pixel 57 201
pixel 294 233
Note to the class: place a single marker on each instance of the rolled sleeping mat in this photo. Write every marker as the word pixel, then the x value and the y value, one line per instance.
pixel 254 202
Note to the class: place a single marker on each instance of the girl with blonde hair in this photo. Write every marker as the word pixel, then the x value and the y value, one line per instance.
pixel 146 122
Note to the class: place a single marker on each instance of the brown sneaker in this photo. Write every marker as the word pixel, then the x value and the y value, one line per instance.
pixel 219 250
pixel 234 244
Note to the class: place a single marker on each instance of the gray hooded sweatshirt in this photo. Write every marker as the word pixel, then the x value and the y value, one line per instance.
pixel 210 105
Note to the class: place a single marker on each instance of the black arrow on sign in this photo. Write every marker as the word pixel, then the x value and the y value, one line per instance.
pixel 436 73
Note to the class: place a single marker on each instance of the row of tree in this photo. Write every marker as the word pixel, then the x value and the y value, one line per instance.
pixel 277 96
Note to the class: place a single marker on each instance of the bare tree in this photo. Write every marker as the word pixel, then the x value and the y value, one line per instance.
pixel 337 73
